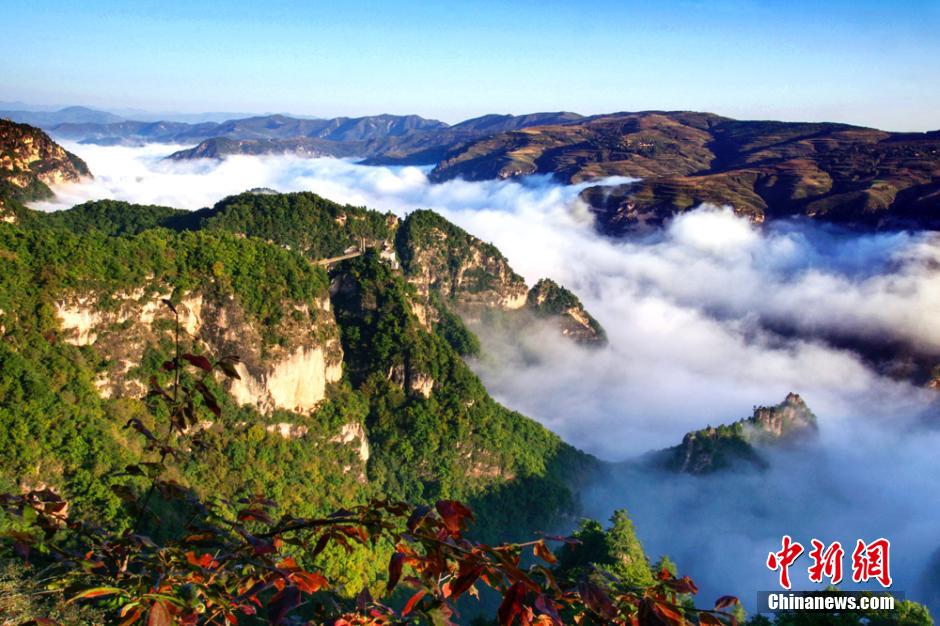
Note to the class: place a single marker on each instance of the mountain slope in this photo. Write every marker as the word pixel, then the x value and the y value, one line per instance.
pixel 714 449
pixel 68 115
pixel 338 373
pixel 454 274
pixel 29 163
pixel 764 170
pixel 339 129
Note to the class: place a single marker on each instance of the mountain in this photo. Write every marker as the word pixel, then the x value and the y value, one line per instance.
pixel 307 147
pixel 68 115
pixel 340 129
pixel 29 163
pixel 763 169
pixel 548 299
pixel 387 139
pixel 349 369
pixel 714 449
pixel 494 123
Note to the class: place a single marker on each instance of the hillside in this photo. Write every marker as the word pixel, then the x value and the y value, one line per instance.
pixel 29 163
pixel 339 129
pixel 68 115
pixel 343 369
pixel 738 444
pixel 453 275
pixel 764 170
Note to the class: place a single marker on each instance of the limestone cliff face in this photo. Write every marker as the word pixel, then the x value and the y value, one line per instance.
pixel 440 259
pixel 790 420
pixel 31 162
pixel 451 268
pixel 292 375
pixel 713 449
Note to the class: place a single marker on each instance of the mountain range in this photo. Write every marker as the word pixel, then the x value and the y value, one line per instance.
pixel 763 169
pixel 351 327
pixel 349 324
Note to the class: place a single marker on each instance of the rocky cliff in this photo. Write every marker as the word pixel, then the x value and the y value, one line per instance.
pixel 291 375
pixel 738 444
pixel 548 299
pixel 30 162
pixel 451 269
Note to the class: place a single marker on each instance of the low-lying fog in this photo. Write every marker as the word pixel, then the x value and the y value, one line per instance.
pixel 689 313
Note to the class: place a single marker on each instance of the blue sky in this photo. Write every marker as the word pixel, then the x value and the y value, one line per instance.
pixel 871 63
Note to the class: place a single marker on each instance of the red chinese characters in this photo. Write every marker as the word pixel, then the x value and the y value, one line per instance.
pixel 782 560
pixel 826 562
pixel 871 560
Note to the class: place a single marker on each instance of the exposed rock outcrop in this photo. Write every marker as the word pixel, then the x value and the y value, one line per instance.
pixel 549 299
pixel 354 433
pixel 442 260
pixel 738 444
pixel 31 162
pixel 292 376
pixel 451 268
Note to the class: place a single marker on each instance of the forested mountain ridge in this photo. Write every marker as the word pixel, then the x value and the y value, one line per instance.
pixel 342 392
pixel 348 358
pixel 738 444
pixel 764 169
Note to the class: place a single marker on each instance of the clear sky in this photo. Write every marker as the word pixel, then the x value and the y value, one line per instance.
pixel 870 63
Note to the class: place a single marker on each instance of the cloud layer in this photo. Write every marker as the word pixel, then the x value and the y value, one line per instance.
pixel 706 319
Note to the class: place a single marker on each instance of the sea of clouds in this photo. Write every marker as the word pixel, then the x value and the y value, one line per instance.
pixel 706 319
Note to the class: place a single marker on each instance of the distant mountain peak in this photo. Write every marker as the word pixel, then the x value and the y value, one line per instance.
pixel 713 449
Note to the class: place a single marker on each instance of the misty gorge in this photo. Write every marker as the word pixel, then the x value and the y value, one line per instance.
pixel 703 320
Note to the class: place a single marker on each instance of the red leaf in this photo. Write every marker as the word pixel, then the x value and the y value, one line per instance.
pixel 541 550
pixel 597 600
pixel 511 605
pixel 95 592
pixel 131 615
pixel 465 579
pixel 547 606
pixel 667 614
pixel 199 361
pixel 160 615
pixel 203 561
pixel 682 585
pixel 453 514
pixel 309 582
pixel 707 619
pixel 725 601
pixel 412 602
pixel 394 570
